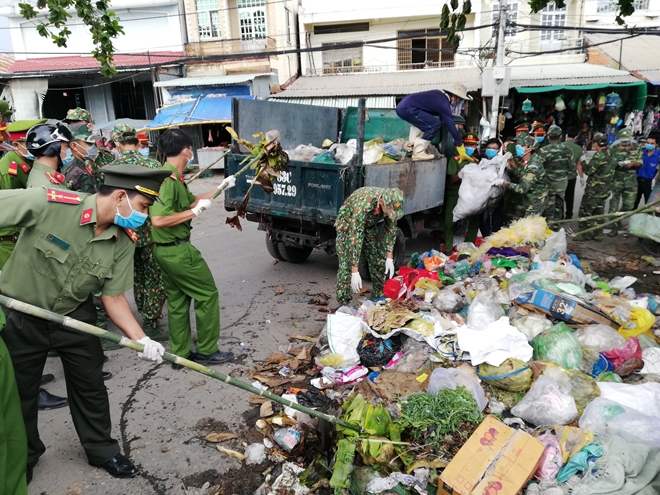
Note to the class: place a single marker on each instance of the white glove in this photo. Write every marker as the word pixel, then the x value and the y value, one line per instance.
pixel 389 267
pixel 153 351
pixel 356 282
pixel 583 181
pixel 230 181
pixel 498 182
pixel 202 204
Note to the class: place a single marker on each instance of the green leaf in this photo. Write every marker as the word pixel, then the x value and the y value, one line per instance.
pixel 467 7
pixel 454 4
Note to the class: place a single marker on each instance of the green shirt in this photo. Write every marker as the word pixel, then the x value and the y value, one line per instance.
pixel 577 151
pixel 58 261
pixel 14 172
pixel 176 198
pixel 43 176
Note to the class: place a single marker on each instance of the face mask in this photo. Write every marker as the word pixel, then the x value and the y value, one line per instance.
pixel 67 159
pixel 133 221
pixel 192 156
pixel 92 153
pixel 520 151
pixel 540 139
pixel 469 151
pixel 490 154
pixel 649 147
pixel 144 151
pixel 626 142
pixel 27 155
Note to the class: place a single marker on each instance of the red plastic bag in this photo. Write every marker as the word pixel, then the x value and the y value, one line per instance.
pixel 395 288
pixel 402 286
pixel 631 350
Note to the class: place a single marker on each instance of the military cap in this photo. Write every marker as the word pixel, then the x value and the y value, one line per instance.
pixel 625 134
pixel 554 131
pixel 143 138
pixel 18 130
pixel 524 127
pixel 123 132
pixel 597 137
pixel 526 140
pixel 600 139
pixel 470 138
pixel 146 181
pixel 84 134
pixel 539 131
pixel 393 200
pixel 78 114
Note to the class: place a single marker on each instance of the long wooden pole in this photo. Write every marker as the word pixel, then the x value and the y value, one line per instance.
pixel 205 169
pixel 126 342
pixel 641 209
pixel 619 218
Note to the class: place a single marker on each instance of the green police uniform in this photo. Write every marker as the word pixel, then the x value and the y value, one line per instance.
pixel 57 264
pixel 13 441
pixel 600 169
pixel 44 176
pixel 454 166
pixel 14 171
pixel 186 275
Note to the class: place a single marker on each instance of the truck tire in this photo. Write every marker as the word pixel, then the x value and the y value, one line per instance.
pixel 398 253
pixel 273 248
pixel 294 254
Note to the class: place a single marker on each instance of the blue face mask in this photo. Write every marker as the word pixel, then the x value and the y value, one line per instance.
pixel 490 154
pixel 133 221
pixel 192 157
pixel 67 159
pixel 520 151
pixel 649 147
pixel 144 151
pixel 540 139
pixel 469 151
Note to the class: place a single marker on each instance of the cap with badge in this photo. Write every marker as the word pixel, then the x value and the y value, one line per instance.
pixel 143 138
pixel 123 132
pixel 600 139
pixel 393 201
pixel 625 134
pixel 526 140
pixel 524 127
pixel 470 138
pixel 18 130
pixel 539 128
pixel 554 131
pixel 146 181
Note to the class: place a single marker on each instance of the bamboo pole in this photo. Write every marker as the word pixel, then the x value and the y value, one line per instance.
pixel 126 342
pixel 619 218
pixel 641 209
pixel 204 170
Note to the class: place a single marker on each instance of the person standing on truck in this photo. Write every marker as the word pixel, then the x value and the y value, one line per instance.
pixel 422 111
pixel 357 232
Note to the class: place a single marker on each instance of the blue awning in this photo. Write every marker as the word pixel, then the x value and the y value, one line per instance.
pixel 203 110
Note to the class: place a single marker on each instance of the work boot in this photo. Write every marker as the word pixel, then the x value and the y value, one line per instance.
pixel 119 467
pixel 613 233
pixel 46 401
pixel 47 378
pixel 152 331
pixel 106 375
pixel 217 357
pixel 419 150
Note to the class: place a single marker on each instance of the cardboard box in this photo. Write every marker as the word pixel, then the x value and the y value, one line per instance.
pixel 563 307
pixel 496 459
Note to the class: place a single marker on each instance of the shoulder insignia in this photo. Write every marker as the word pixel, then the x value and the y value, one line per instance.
pixel 173 176
pixel 54 178
pixel 457 157
pixel 86 216
pixel 24 167
pixel 13 168
pixel 89 170
pixel 131 234
pixel 66 197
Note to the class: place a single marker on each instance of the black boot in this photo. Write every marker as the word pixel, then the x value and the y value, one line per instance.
pixel 216 358
pixel 46 401
pixel 47 378
pixel 119 467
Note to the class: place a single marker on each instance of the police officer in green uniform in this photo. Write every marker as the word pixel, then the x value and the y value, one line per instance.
pixel 49 143
pixel 71 245
pixel 186 275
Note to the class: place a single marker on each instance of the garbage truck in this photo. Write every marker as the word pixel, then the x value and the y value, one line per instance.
pixel 299 215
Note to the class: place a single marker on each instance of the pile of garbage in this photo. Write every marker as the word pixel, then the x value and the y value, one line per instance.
pixel 506 368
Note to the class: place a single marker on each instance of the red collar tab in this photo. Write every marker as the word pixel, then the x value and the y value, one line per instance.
pixel 86 216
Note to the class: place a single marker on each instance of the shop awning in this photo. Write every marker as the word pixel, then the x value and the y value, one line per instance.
pixel 542 78
pixel 650 76
pixel 202 110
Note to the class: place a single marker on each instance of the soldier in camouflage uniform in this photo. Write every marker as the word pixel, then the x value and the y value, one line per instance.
pixel 600 169
pixel 557 161
pixel 81 173
pixel 527 178
pixel 77 118
pixel 148 290
pixel 357 231
pixel 628 155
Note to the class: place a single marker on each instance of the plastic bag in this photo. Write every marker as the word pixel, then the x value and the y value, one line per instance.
pixel 532 325
pixel 642 320
pixel 477 190
pixel 644 398
pixel 255 453
pixel 512 375
pixel 606 417
pixel 651 356
pixel 629 366
pixel 448 301
pixel 443 378
pixel 622 283
pixel 344 335
pixel 551 460
pixel 558 345
pixel 584 389
pixel 395 288
pixel 376 352
pixel 572 440
pixel 555 246
pixel 600 337
pixel 483 312
pixel 618 356
pixel 609 376
pixel 548 403
pixel 590 358
pixel 494 344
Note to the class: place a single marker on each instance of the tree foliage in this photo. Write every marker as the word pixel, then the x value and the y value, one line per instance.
pixel 102 23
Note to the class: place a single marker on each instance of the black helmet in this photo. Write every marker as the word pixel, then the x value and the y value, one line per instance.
pixel 42 135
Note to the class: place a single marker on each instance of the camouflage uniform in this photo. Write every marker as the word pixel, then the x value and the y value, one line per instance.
pixel 556 158
pixel 357 232
pixel 528 180
pixel 77 118
pixel 600 169
pixel 149 291
pixel 624 183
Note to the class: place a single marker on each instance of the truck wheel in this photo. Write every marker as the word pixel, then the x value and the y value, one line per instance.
pixel 398 255
pixel 273 248
pixel 294 254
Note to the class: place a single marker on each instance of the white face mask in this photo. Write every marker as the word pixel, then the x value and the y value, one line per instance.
pixel 190 160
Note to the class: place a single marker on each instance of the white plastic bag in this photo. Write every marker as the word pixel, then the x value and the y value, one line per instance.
pixel 477 188
pixel 601 338
pixel 644 398
pixel 622 283
pixel 532 325
pixel 555 246
pixel 606 417
pixel 483 312
pixel 442 378
pixel 344 334
pixel 548 403
pixel 651 358
pixel 495 344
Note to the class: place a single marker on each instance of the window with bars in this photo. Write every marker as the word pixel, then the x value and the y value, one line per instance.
pixel 341 61
pixel 509 32
pixel 555 17
pixel 426 51
pixel 208 18
pixel 252 19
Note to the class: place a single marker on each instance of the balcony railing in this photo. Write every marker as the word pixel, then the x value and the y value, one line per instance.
pixel 225 47
pixel 569 46
pixel 347 69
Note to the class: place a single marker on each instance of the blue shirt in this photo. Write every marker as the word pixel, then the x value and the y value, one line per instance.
pixel 649 165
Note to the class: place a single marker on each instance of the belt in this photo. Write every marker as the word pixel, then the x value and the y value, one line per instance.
pixel 9 238
pixel 173 243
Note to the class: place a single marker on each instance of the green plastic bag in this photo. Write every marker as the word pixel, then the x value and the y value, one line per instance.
pixel 583 389
pixel 609 376
pixel 558 345
pixel 513 375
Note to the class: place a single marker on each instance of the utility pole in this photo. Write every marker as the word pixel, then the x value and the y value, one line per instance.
pixel 498 68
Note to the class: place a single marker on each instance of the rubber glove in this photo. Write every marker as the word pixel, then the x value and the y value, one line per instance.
pixel 389 267
pixel 583 181
pixel 499 182
pixel 462 154
pixel 230 181
pixel 153 351
pixel 202 204
pixel 356 282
